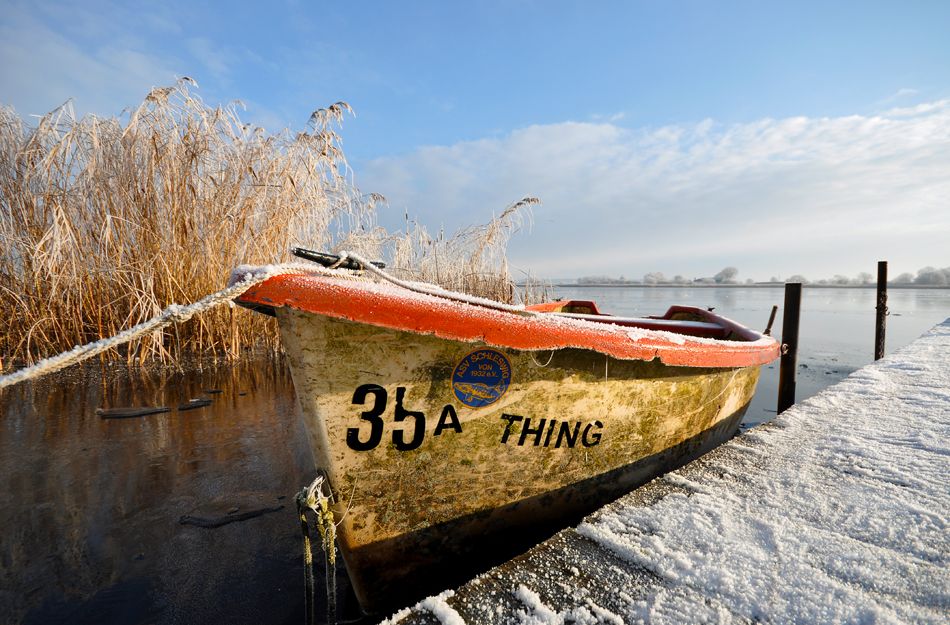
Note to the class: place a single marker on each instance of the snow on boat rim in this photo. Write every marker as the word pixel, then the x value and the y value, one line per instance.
pixel 457 316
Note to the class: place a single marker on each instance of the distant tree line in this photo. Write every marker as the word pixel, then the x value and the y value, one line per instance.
pixel 928 276
pixel 726 276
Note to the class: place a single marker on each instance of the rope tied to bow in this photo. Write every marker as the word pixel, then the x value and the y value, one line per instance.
pixel 313 498
pixel 175 313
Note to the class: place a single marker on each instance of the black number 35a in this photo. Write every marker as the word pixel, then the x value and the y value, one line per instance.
pixel 373 416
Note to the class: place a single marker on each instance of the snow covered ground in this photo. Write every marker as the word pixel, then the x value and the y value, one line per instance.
pixel 836 512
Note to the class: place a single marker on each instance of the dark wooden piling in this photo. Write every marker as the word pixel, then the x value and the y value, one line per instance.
pixel 881 310
pixel 788 370
pixel 768 328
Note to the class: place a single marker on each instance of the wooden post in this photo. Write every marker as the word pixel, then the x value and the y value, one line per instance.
pixel 788 370
pixel 768 328
pixel 881 310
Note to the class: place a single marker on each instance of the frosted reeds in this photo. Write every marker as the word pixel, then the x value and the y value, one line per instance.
pixel 472 261
pixel 103 224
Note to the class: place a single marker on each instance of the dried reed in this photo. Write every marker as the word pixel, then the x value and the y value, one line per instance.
pixel 472 261
pixel 102 225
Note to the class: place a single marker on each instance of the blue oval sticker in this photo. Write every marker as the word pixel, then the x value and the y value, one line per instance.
pixel 481 378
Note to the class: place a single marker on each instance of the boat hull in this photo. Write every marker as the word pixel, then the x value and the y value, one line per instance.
pixel 447 456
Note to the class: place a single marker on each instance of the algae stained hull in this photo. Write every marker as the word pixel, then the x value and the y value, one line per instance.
pixel 455 436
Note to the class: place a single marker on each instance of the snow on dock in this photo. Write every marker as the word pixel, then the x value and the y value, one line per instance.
pixel 837 511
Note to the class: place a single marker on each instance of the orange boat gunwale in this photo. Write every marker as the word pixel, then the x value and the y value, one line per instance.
pixel 540 328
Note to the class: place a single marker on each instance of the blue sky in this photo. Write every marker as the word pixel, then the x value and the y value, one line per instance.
pixel 780 138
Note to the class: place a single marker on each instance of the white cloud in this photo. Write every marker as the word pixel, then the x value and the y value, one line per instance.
pixel 917 110
pixel 797 195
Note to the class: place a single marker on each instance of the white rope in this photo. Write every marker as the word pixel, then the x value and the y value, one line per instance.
pixel 431 289
pixel 550 358
pixel 173 314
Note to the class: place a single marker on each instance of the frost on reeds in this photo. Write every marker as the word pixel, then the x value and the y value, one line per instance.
pixel 105 222
pixel 472 261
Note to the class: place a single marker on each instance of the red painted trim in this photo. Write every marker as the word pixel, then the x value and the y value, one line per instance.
pixel 387 306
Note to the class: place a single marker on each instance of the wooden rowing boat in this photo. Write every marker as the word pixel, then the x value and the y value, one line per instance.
pixel 456 436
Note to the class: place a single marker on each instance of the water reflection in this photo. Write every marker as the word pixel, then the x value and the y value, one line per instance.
pixel 89 528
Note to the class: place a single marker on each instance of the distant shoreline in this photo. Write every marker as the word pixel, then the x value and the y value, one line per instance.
pixel 757 285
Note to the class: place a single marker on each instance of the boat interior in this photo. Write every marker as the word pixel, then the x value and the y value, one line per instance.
pixel 678 319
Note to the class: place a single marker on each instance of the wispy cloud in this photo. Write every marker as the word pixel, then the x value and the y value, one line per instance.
pixel 917 110
pixel 798 195
pixel 901 93
pixel 215 59
pixel 113 71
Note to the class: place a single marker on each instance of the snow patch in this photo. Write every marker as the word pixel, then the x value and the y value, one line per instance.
pixel 435 605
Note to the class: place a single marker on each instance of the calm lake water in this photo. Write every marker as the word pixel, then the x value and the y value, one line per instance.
pixel 90 526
